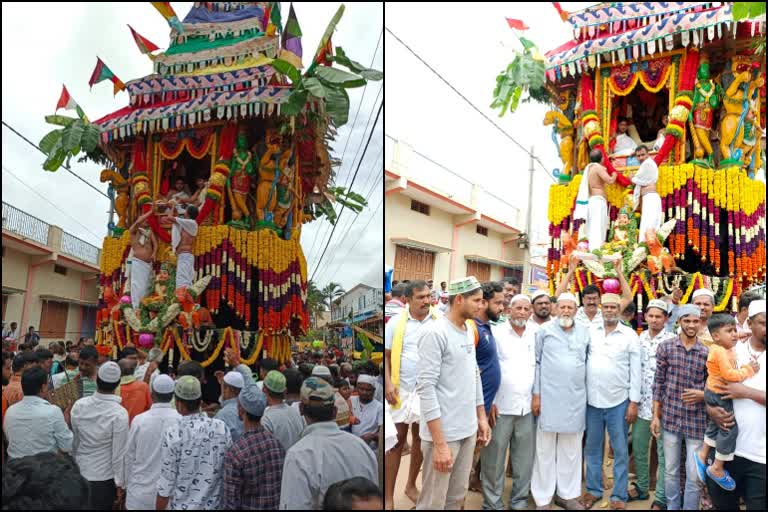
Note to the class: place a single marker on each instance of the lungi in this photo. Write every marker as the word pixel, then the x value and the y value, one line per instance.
pixel 410 408
pixel 141 273
pixel 597 221
pixel 651 214
pixel 185 269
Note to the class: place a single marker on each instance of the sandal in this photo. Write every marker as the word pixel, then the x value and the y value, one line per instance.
pixel 640 495
pixel 701 469
pixel 725 481
pixel 658 506
pixel 588 500
pixel 618 505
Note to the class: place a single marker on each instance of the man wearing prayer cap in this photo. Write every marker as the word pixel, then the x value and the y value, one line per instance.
pixel 192 454
pixel 510 415
pixel 704 298
pixel 749 414
pixel 145 438
pixel 100 425
pixel 232 384
pixel 370 412
pixel 742 315
pixel 613 395
pixel 559 400
pixel 282 420
pixel 679 412
pixel 453 415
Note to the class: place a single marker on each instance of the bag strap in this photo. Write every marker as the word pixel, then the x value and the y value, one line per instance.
pixel 472 326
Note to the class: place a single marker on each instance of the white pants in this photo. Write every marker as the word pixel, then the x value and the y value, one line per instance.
pixel 185 269
pixel 597 221
pixel 141 272
pixel 557 466
pixel 651 215
pixel 408 412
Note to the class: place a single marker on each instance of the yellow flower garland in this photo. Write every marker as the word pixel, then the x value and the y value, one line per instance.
pixel 724 303
pixel 217 351
pixel 255 355
pixel 647 287
pixel 641 78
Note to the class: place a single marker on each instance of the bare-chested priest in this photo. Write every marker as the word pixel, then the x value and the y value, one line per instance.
pixel 591 202
pixel 143 252
pixel 183 236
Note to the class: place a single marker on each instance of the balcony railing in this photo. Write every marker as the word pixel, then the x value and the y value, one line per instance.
pixel 79 249
pixel 25 224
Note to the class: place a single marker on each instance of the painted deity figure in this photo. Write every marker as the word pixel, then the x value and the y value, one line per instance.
pixel 285 195
pixel 269 169
pixel 706 99
pixel 738 90
pixel 240 184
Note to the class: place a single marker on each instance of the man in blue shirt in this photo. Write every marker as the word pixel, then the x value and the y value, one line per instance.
pixel 487 359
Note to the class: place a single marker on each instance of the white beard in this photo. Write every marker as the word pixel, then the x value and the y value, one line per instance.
pixel 565 322
pixel 518 323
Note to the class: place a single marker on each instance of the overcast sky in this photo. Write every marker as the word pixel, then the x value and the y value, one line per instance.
pixel 45 45
pixel 469 44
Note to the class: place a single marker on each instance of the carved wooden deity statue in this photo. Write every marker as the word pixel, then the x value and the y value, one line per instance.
pixel 706 99
pixel 286 194
pixel 738 91
pixel 269 170
pixel 240 184
pixel 122 201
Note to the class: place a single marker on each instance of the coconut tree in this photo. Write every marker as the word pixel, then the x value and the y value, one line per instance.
pixel 331 292
pixel 315 301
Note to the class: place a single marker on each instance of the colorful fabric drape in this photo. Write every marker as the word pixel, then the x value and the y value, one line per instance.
pixel 198 144
pixel 102 72
pixel 623 79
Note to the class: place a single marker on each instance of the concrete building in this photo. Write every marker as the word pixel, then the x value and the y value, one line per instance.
pixel 362 306
pixel 441 226
pixel 50 278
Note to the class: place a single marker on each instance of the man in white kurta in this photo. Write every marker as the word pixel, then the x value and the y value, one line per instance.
pixel 560 402
pixel 645 187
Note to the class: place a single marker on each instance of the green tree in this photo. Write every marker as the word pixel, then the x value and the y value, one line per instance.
pixel 331 292
pixel 315 301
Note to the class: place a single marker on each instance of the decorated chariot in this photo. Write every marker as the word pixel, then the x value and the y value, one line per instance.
pixel 228 124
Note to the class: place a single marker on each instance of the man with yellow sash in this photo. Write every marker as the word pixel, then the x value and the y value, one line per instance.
pixel 401 357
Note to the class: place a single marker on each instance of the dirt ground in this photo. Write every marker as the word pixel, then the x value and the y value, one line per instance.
pixel 474 500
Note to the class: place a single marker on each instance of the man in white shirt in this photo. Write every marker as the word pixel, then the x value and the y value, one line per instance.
pixel 542 309
pixel 11 336
pixel 510 417
pixel 748 465
pixel 401 350
pixel 33 425
pixel 142 457
pixel 100 425
pixel 621 143
pixel 367 410
pixel 645 187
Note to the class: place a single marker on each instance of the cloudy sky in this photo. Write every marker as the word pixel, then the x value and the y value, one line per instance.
pixel 469 44
pixel 63 47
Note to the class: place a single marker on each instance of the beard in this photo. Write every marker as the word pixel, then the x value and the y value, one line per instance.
pixel 565 322
pixel 517 323
pixel 542 314
pixel 611 321
pixel 491 316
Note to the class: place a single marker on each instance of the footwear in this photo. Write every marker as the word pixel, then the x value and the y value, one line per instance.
pixel 618 505
pixel 640 495
pixel 544 507
pixel 701 469
pixel 658 506
pixel 588 500
pixel 725 481
pixel 572 504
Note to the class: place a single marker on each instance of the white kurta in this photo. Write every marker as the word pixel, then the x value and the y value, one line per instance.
pixel 625 145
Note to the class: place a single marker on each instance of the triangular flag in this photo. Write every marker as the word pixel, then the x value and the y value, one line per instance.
pixel 169 14
pixel 145 45
pixel 517 24
pixel 102 72
pixel 292 51
pixel 68 103
pixel 563 14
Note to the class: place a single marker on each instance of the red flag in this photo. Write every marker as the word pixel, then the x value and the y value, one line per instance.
pixel 144 44
pixel 563 14
pixel 517 24
pixel 65 100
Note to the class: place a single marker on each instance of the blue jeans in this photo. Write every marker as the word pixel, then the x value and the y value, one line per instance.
pixel 597 421
pixel 672 448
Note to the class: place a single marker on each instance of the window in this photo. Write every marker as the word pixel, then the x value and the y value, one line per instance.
pixel 53 319
pixel 60 270
pixel 482 231
pixel 416 206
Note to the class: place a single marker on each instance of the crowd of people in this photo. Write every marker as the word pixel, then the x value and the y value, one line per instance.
pixel 299 436
pixel 500 379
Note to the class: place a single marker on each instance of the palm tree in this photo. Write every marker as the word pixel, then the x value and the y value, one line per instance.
pixel 331 292
pixel 315 301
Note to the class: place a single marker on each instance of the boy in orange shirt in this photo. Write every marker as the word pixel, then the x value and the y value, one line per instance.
pixel 721 367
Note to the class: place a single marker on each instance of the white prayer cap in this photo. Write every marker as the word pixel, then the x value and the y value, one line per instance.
pixel 234 379
pixel 756 307
pixel 539 293
pixel 567 296
pixel 520 296
pixel 657 303
pixel 366 379
pixel 110 372
pixel 163 384
pixel 703 291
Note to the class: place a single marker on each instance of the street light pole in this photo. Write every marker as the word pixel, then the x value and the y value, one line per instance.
pixel 527 260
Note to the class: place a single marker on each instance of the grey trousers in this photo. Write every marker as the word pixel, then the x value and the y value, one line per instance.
pixel 518 433
pixel 446 491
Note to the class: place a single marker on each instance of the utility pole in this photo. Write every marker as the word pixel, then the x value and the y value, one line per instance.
pixel 527 260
